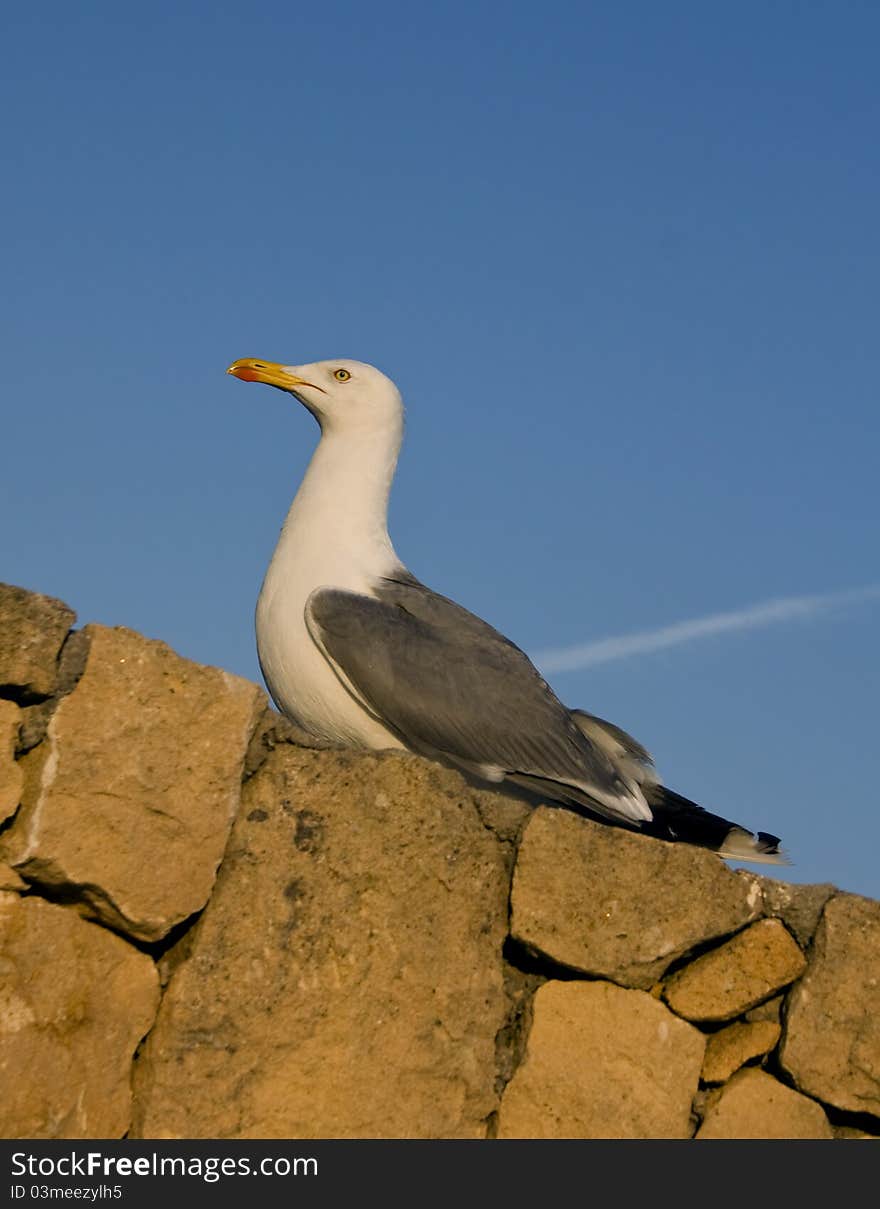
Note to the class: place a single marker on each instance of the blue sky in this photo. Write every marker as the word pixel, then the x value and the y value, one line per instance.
pixel 622 260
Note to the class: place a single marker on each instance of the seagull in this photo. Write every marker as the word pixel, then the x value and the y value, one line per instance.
pixel 360 654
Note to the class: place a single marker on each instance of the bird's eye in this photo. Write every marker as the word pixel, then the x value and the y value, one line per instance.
pixel 341 375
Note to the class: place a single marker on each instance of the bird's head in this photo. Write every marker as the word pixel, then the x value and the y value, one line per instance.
pixel 340 394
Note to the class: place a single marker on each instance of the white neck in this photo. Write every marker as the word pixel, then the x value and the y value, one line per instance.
pixel 335 535
pixel 336 532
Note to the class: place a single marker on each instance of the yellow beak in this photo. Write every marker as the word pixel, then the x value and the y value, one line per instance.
pixel 269 372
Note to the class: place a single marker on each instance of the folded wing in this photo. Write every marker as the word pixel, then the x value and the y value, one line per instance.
pixel 452 687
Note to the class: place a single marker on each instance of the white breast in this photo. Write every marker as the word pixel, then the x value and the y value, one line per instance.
pixel 335 536
pixel 302 682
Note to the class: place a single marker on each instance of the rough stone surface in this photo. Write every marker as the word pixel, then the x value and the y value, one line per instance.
pixel 770 1009
pixel 799 907
pixel 73 659
pixel 11 776
pixel 735 1045
pixel 35 718
pixel 831 1045
pixel 617 905
pixel 273 730
pixel 9 879
pixel 35 721
pixel 755 1105
pixel 737 975
pixel 32 632
pixel 129 799
pixel 503 814
pixel 346 977
pixel 603 1062
pixel 75 1001
pixel 510 1043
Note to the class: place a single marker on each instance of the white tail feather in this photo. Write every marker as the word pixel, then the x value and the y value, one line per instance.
pixel 743 846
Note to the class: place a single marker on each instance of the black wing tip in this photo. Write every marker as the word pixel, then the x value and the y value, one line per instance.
pixel 768 843
pixel 759 848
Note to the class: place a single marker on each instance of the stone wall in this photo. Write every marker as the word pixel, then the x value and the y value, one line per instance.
pixel 208 929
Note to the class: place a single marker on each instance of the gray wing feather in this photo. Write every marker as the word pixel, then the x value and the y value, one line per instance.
pixel 633 760
pixel 594 725
pixel 449 684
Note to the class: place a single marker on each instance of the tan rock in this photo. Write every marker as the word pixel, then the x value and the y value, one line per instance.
pixel 9 879
pixel 735 1045
pixel 620 906
pixel 603 1062
pixel 35 721
pixel 510 1044
pixel 129 799
pixel 755 1105
pixel 11 777
pixel 831 1045
pixel 737 975
pixel 770 1009
pixel 345 979
pixel 35 718
pixel 76 1000
pixel 273 730
pixel 32 631
pixel 506 816
pixel 799 907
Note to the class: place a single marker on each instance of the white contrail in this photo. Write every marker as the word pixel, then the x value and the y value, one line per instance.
pixel 573 658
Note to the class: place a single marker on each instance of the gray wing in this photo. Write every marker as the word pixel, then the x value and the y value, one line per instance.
pixel 451 686
pixel 625 752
